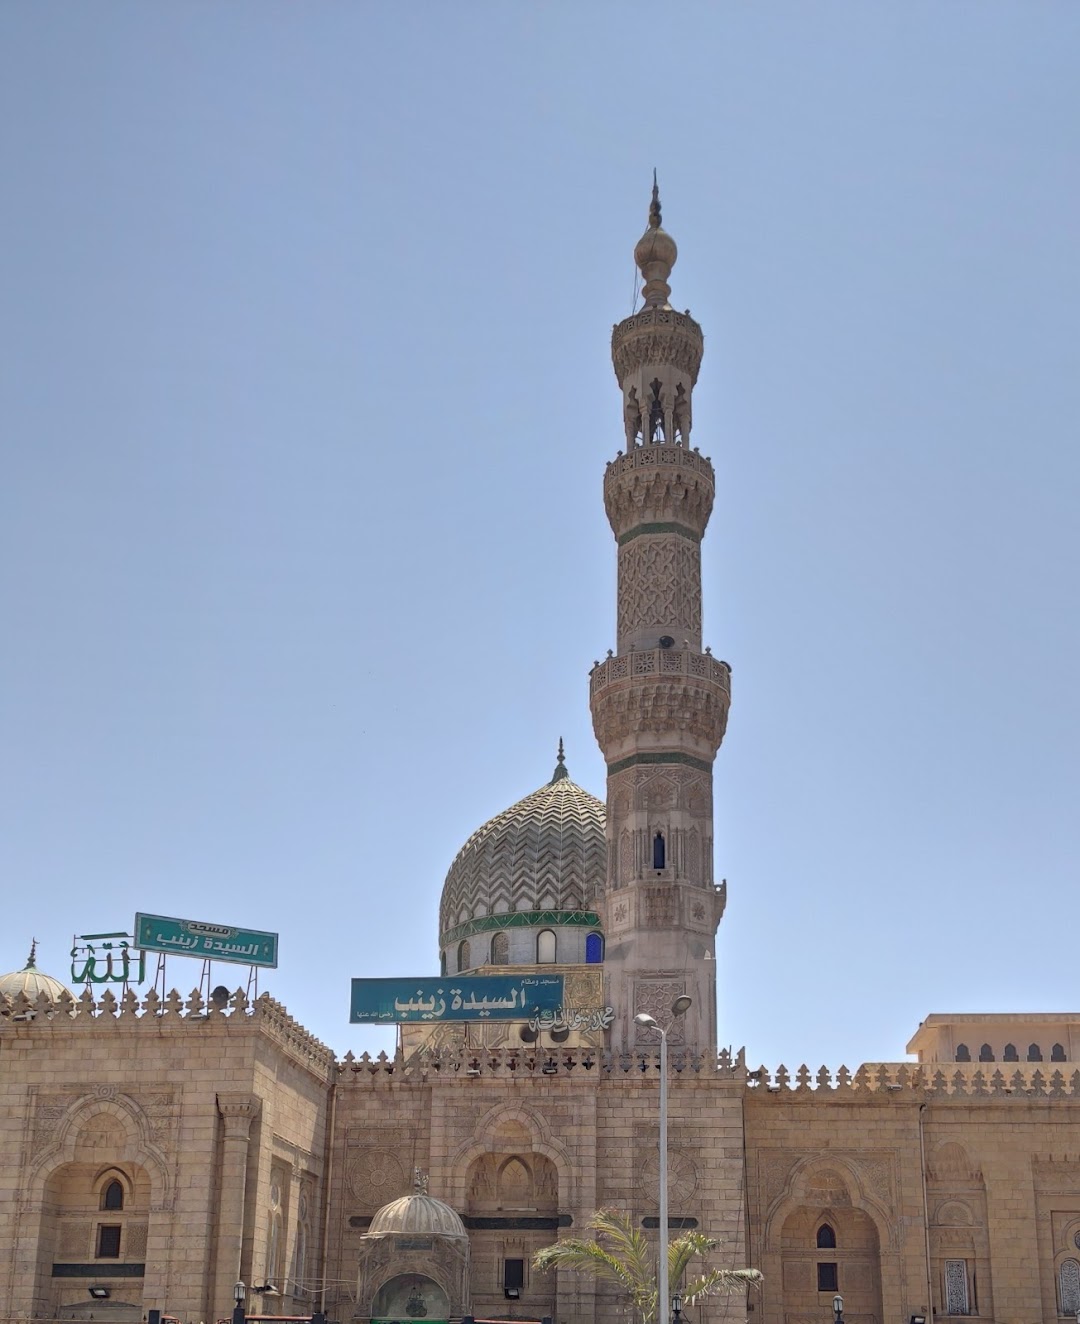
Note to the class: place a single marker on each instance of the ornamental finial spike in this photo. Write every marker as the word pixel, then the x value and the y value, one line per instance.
pixel 31 963
pixel 560 765
pixel 655 255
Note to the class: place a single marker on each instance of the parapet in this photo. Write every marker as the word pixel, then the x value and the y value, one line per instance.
pixel 44 1015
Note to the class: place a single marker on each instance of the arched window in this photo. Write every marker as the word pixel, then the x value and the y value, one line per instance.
pixel 112 1197
pixel 963 1053
pixel 594 948
pixel 1034 1053
pixel 500 949
pixel 986 1054
pixel 463 957
pixel 659 851
pixel 545 947
pixel 442 964
pixel 826 1237
pixel 1069 1287
pixel 1010 1054
pixel 1057 1053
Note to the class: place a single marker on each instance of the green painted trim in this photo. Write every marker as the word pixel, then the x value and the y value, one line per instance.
pixel 524 919
pixel 640 529
pixel 637 760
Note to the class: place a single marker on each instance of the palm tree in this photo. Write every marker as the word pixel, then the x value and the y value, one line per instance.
pixel 619 1253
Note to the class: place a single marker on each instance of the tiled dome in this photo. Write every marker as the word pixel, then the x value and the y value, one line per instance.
pixel 418 1215
pixel 546 853
pixel 31 981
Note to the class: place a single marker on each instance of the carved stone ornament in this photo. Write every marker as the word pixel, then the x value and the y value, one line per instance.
pixel 682 1178
pixel 375 1177
pixel 696 707
pixel 660 585
pixel 667 490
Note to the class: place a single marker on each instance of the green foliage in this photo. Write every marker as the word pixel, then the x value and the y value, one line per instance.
pixel 619 1253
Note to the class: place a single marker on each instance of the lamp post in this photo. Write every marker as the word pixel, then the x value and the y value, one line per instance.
pixel 676 1307
pixel 838 1309
pixel 239 1293
pixel 678 1008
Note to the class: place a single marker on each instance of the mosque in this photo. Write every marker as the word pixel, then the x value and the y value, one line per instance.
pixel 165 1153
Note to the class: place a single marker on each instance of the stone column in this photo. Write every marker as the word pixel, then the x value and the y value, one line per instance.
pixel 238 1111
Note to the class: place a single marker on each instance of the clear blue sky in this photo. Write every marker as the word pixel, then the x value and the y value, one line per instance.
pixel 306 399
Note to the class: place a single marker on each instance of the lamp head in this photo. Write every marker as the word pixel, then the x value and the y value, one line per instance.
pixel 239 1292
pixel 838 1305
pixel 681 1005
pixel 643 1018
pixel 676 1301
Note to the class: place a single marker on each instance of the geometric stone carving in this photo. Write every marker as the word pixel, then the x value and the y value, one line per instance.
pixel 682 1178
pixel 375 1177
pixel 660 585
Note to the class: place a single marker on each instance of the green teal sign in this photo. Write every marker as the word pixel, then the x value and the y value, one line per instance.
pixel 209 942
pixel 457 998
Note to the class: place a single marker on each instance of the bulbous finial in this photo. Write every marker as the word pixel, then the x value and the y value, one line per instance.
pixel 560 765
pixel 655 255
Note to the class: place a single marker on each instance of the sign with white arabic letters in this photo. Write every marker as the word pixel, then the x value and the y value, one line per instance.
pixel 454 998
pixel 209 942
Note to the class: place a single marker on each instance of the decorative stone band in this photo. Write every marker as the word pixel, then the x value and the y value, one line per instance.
pixel 656 454
pixel 660 662
pixel 657 335
pixel 639 530
pixel 523 919
pixel 644 760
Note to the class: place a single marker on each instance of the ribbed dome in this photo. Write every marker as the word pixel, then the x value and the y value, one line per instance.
pixel 418 1215
pixel 545 853
pixel 31 981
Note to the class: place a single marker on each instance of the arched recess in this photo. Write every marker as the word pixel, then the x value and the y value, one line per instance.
pixel 98 1133
pixel 828 1190
pixel 78 1229
pixel 118 1130
pixel 505 1130
pixel 410 1296
pixel 847 1259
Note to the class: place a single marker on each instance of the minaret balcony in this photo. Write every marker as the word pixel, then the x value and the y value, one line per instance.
pixel 658 695
pixel 659 662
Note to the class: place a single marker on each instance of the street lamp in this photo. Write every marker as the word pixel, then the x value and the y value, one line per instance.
pixel 838 1309
pixel 678 1008
pixel 239 1294
pixel 676 1307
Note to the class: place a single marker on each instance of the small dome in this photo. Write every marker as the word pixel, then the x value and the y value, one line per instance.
pixel 547 852
pixel 31 981
pixel 418 1215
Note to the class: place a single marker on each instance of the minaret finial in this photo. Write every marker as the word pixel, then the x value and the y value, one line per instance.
pixel 655 255
pixel 31 963
pixel 560 765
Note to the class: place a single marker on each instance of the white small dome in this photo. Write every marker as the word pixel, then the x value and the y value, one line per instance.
pixel 418 1215
pixel 31 981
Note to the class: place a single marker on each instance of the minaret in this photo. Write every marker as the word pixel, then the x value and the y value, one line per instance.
pixel 659 704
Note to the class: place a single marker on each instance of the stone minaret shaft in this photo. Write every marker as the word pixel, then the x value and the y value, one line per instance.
pixel 659 704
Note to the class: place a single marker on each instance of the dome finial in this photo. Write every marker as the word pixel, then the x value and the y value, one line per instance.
pixel 31 963
pixel 654 206
pixel 420 1181
pixel 655 255
pixel 560 765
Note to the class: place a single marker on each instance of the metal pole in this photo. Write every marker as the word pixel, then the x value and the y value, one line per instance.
pixel 662 1302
